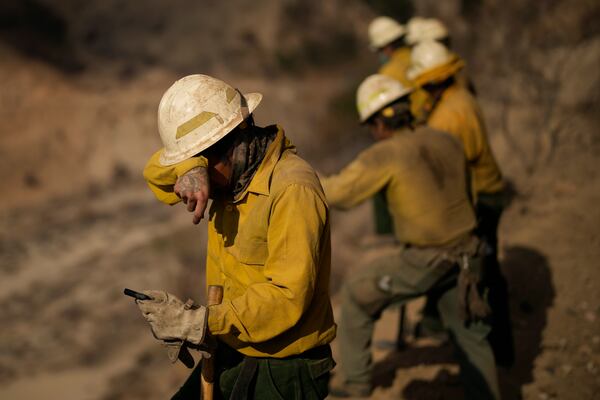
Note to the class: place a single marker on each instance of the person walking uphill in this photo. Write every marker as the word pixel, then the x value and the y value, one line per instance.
pixel 392 42
pixel 387 39
pixel 268 245
pixel 454 110
pixel 423 174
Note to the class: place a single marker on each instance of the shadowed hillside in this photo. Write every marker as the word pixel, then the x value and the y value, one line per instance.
pixel 80 83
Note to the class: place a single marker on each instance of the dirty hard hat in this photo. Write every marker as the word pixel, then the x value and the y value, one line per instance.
pixel 426 56
pixel 420 29
pixel 383 31
pixel 376 92
pixel 196 112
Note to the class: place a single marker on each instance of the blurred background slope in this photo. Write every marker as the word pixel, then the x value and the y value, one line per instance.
pixel 79 87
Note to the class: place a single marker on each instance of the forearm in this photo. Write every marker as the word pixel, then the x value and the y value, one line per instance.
pixel 353 185
pixel 162 179
pixel 262 313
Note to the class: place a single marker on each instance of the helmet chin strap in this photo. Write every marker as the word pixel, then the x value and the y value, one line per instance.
pixel 249 148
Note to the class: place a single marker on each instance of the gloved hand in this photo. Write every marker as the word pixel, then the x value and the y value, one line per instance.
pixel 472 303
pixel 171 320
pixel 179 350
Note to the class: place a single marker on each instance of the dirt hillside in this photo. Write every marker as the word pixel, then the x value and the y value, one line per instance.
pixel 79 87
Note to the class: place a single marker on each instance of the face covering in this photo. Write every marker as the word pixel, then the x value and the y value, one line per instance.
pixel 383 58
pixel 249 149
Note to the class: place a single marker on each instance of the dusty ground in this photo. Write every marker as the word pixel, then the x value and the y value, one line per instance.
pixel 79 86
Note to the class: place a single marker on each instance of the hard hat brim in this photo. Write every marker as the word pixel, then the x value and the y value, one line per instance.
pixel 252 100
pixel 362 119
pixel 376 46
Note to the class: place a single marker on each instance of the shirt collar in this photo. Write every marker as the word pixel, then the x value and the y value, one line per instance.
pixel 261 182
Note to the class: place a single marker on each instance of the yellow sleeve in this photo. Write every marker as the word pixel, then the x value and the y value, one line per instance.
pixel 298 220
pixel 462 118
pixel 358 181
pixel 470 130
pixel 161 179
pixel 459 117
pixel 398 64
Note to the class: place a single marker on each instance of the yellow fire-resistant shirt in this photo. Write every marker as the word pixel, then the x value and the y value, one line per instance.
pixel 270 250
pixel 423 173
pixel 457 113
pixel 397 65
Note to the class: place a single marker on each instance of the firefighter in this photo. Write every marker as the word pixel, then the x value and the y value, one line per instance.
pixel 268 245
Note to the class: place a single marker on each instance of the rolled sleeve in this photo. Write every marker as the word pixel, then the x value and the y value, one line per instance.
pixel 161 179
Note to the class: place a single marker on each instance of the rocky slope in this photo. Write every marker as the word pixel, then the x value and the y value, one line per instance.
pixel 80 83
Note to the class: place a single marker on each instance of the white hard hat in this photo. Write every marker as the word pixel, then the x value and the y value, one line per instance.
pixel 376 92
pixel 383 31
pixel 419 29
pixel 426 56
pixel 196 112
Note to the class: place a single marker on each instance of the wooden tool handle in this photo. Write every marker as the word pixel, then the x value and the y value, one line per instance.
pixel 215 295
pixel 207 375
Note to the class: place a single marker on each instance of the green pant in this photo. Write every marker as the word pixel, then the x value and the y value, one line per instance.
pixel 302 377
pixel 489 209
pixel 397 278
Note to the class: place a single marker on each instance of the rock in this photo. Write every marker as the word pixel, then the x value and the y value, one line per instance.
pixel 582 62
pixel 563 343
pixel 571 311
pixel 590 316
pixel 566 369
pixel 591 367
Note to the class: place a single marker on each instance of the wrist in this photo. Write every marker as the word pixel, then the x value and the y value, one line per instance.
pixel 196 324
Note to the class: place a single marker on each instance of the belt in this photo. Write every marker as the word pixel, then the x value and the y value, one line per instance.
pixel 315 353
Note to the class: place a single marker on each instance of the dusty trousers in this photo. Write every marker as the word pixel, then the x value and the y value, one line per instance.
pixel 489 209
pixel 396 278
pixel 305 376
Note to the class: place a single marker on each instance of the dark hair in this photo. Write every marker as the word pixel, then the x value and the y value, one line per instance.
pixel 440 85
pixel 446 42
pixel 222 147
pixel 396 44
pixel 401 114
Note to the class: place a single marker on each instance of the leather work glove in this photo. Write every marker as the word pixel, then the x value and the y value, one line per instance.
pixel 473 306
pixel 179 350
pixel 173 321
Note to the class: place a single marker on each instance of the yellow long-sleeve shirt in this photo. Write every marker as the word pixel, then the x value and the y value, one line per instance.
pixel 457 113
pixel 423 174
pixel 397 65
pixel 270 250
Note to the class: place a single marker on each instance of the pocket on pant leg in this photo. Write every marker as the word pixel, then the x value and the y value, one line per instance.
pixel 191 387
pixel 372 293
pixel 275 382
pixel 319 371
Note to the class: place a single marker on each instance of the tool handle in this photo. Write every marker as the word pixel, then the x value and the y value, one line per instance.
pixel 136 295
pixel 215 295
pixel 401 336
pixel 207 375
